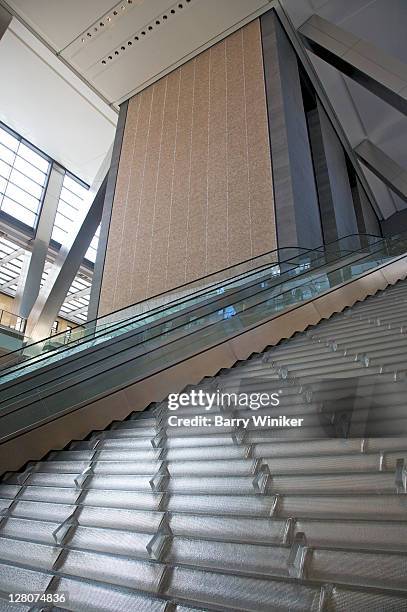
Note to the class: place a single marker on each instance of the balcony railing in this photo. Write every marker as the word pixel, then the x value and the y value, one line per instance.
pixel 12 321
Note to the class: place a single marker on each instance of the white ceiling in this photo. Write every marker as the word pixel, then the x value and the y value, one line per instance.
pixel 87 34
pixel 44 102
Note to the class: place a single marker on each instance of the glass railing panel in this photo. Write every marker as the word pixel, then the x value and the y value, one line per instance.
pixel 253 305
pixel 12 321
pixel 60 340
pixel 293 267
pixel 271 276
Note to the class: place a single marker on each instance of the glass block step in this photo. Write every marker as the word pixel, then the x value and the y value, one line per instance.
pixel 87 596
pixel 241 593
pixel 21 580
pixel 131 573
pixel 383 571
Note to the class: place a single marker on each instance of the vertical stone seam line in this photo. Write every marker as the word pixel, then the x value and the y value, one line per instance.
pixel 247 142
pixel 189 175
pixel 156 184
pixel 172 182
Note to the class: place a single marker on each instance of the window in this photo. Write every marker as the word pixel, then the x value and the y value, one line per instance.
pixel 70 203
pixel 93 247
pixel 11 262
pixel 24 172
pixel 23 176
pixel 75 307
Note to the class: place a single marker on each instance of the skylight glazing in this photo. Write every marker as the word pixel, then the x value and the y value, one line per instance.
pixel 23 177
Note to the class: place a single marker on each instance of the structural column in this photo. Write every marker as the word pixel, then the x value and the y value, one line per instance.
pixel 338 214
pixel 30 278
pixel 69 258
pixel 296 202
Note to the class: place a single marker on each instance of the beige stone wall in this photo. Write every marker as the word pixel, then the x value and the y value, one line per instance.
pixel 194 188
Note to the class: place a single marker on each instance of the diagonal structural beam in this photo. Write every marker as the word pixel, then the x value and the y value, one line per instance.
pixel 12 256
pixel 78 294
pixel 81 310
pixel 64 269
pixel 384 167
pixel 5 19
pixel 30 278
pixel 380 73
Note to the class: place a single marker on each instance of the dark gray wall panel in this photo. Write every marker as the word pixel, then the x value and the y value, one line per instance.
pixel 296 204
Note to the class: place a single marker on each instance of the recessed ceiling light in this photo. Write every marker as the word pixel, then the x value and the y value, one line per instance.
pixel 83 40
pixel 109 19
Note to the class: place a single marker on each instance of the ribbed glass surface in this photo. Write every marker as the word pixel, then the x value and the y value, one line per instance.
pixel 383 507
pixel 343 600
pixel 119 518
pixel 221 504
pixel 114 570
pixel 90 597
pixel 124 499
pixel 127 543
pixel 224 556
pixel 363 569
pixel 28 553
pixel 19 580
pixel 40 531
pixel 382 535
pixel 228 528
pixel 241 593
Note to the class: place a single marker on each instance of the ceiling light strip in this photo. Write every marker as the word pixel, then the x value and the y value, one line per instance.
pixel 146 30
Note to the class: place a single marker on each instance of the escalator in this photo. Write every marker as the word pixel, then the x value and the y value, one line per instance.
pixel 130 358
pixel 146 516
